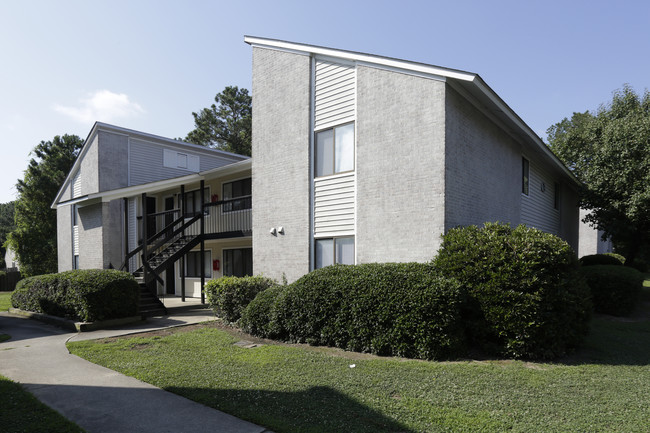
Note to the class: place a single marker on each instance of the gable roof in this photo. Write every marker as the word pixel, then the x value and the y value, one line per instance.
pixel 100 126
pixel 468 84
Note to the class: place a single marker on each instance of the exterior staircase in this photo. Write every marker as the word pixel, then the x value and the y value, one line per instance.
pixel 150 305
pixel 165 256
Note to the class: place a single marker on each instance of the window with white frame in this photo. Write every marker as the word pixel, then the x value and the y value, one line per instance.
pixel 331 251
pixel 238 262
pixel 193 264
pixel 334 150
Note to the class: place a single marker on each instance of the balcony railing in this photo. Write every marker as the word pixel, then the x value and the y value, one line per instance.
pixel 222 219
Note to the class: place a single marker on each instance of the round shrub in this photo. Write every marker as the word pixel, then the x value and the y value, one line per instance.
pixel 260 315
pixel 85 295
pixel 526 298
pixel 615 290
pixel 600 259
pixel 228 296
pixel 618 257
pixel 400 309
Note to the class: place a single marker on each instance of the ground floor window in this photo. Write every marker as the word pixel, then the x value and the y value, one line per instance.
pixel 193 264
pixel 334 250
pixel 238 262
pixel 75 261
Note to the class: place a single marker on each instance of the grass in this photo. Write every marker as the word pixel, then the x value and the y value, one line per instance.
pixel 5 301
pixel 605 387
pixel 20 411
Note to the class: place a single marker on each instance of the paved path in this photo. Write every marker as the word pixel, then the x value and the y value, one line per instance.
pixel 94 397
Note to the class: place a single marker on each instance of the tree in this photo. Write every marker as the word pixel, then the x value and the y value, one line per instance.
pixel 225 125
pixel 609 151
pixel 7 225
pixel 34 238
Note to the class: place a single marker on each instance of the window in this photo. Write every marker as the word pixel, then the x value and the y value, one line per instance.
pixel 335 150
pixel 174 159
pixel 75 261
pixel 75 215
pixel 239 189
pixel 193 202
pixel 556 195
pixel 525 175
pixel 193 264
pixel 334 250
pixel 238 262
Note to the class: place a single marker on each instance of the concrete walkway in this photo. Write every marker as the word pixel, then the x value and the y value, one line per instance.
pixel 99 399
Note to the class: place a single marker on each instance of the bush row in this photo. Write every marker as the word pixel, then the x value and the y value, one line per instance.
pixel 8 280
pixel 602 259
pixel 515 292
pixel 228 296
pixel 85 295
pixel 615 289
pixel 401 309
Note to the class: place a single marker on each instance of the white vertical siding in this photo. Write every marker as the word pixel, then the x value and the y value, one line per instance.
pixel 537 209
pixel 334 205
pixel 335 94
pixel 75 240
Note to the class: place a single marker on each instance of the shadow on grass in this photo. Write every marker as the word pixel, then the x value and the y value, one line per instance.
pixel 317 409
pixel 617 340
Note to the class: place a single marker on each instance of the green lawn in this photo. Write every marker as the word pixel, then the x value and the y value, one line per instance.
pixel 605 387
pixel 20 411
pixel 5 301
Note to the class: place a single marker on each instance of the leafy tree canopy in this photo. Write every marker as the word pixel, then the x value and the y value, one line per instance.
pixel 609 151
pixel 34 238
pixel 226 124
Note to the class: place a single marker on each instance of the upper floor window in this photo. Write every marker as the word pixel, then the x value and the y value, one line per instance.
pixel 525 175
pixel 192 201
pixel 335 150
pixel 239 192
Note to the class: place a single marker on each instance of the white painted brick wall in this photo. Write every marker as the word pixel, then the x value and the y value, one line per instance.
pixel 281 177
pixel 400 166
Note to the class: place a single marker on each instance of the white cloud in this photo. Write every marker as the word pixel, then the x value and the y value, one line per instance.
pixel 103 106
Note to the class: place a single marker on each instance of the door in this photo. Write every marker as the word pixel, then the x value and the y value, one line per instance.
pixel 169 216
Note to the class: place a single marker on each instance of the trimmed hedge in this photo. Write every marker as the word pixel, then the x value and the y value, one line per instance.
pixel 526 297
pixel 400 309
pixel 85 295
pixel 619 257
pixel 260 317
pixel 228 296
pixel 9 279
pixel 600 259
pixel 615 289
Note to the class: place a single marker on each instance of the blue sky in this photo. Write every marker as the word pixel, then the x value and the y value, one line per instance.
pixel 147 65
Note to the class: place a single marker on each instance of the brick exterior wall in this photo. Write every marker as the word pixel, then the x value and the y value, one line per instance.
pixel 400 166
pixel 91 237
pixel 64 238
pixel 483 167
pixel 281 163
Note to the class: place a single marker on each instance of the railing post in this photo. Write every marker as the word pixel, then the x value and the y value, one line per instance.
pixel 181 203
pixel 202 219
pixel 144 236
pixel 125 201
